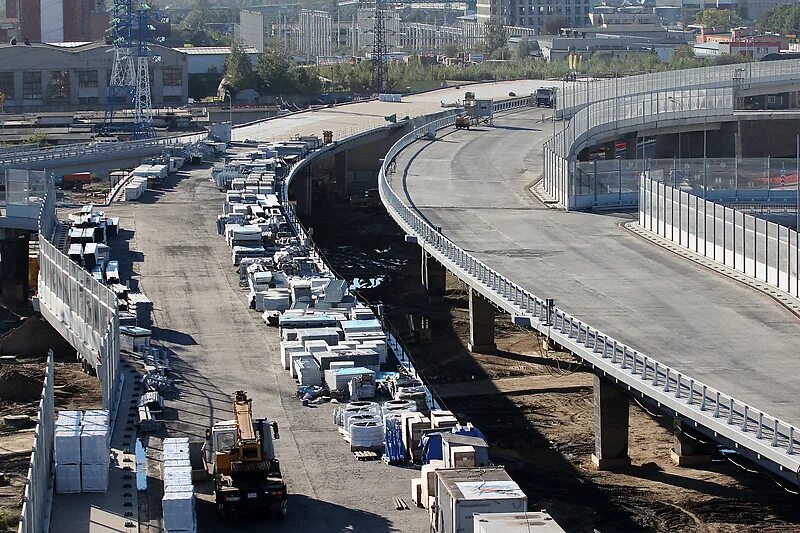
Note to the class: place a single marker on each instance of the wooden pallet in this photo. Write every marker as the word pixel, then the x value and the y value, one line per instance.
pixel 366 455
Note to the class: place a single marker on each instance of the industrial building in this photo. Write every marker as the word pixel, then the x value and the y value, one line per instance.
pixel 535 13
pixel 49 77
pixel 58 20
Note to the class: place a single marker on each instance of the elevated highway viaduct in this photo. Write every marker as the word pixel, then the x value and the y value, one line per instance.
pixel 474 187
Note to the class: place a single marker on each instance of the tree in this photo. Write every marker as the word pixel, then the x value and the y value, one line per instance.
pixel 553 25
pixel 523 50
pixel 274 69
pixel 452 50
pixel 719 18
pixel 496 35
pixel 238 69
pixel 780 19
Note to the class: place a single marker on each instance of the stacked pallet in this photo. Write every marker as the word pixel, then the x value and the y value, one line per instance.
pixel 178 502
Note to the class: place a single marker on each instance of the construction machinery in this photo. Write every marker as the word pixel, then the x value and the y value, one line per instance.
pixel 240 456
pixel 545 96
pixel 478 110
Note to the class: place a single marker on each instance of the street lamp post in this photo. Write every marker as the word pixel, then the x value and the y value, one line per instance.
pixel 230 107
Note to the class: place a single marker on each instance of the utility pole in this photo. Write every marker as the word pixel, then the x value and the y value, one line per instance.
pixel 380 70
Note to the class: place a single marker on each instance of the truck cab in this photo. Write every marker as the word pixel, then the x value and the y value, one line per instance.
pixel 545 96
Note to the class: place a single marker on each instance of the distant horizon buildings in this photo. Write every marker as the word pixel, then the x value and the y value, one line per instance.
pixel 57 20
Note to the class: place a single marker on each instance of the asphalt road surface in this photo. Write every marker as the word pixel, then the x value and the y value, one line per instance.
pixel 475 184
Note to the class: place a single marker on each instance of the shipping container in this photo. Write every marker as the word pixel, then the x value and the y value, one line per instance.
pixel 462 492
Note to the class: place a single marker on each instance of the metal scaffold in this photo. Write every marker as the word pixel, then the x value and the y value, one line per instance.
pixel 129 86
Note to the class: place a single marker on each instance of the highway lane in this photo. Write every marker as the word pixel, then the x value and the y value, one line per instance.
pixel 350 119
pixel 475 185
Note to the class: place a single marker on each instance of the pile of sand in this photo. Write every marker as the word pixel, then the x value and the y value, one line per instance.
pixel 18 385
pixel 33 338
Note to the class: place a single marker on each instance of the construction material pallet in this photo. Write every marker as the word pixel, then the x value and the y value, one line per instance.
pixel 366 455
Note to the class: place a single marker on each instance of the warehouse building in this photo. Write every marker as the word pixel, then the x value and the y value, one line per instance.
pixel 63 77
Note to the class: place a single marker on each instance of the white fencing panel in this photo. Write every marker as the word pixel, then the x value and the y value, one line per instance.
pixel 763 250
pixel 38 489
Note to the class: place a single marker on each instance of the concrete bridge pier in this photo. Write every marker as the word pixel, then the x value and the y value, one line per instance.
pixel 14 267
pixel 611 422
pixel 301 186
pixel 481 324
pixel 340 171
pixel 689 448
pixel 433 276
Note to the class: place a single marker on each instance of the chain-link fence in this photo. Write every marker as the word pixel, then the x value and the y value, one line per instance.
pixel 755 247
pixel 38 487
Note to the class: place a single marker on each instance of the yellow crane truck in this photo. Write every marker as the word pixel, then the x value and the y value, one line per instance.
pixel 240 456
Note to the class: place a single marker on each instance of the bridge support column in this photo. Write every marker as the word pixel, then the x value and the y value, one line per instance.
pixel 481 324
pixel 688 448
pixel 302 192
pixel 611 416
pixel 340 170
pixel 14 268
pixel 433 276
pixel 610 149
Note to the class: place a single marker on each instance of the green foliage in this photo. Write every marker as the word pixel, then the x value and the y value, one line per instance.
pixel 276 74
pixel 36 138
pixel 8 522
pixel 719 18
pixel 496 35
pixel 780 19
pixel 356 78
pixel 523 50
pixel 553 25
pixel 452 50
pixel 238 69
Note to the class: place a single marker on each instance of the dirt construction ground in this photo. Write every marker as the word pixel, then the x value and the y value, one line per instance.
pixel 20 389
pixel 536 406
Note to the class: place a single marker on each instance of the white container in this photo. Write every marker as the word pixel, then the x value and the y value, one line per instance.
pixel 460 493
pixel 94 444
pixel 178 510
pixel 67 446
pixel 94 477
pixel 527 522
pixel 294 357
pixel 169 463
pixel 69 418
pixel 287 348
pixel 68 478
pixel 308 372
pixel 178 476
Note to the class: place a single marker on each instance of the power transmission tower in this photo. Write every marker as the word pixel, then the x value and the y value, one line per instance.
pixel 130 74
pixel 380 67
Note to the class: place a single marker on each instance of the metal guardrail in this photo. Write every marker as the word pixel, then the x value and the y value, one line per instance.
pixel 763 438
pixel 613 117
pixel 575 96
pixel 755 247
pixel 25 157
pixel 38 487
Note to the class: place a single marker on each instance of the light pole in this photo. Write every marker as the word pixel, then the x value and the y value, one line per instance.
pixel 230 107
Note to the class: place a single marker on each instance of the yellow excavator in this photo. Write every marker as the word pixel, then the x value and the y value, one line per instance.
pixel 240 456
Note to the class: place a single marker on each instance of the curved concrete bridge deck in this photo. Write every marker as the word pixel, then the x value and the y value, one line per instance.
pixel 346 120
pixel 475 185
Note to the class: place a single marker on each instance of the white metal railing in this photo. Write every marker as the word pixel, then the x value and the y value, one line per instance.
pixel 85 308
pixel 763 437
pixel 613 117
pixel 38 486
pixel 25 157
pixel 575 96
pixel 755 247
